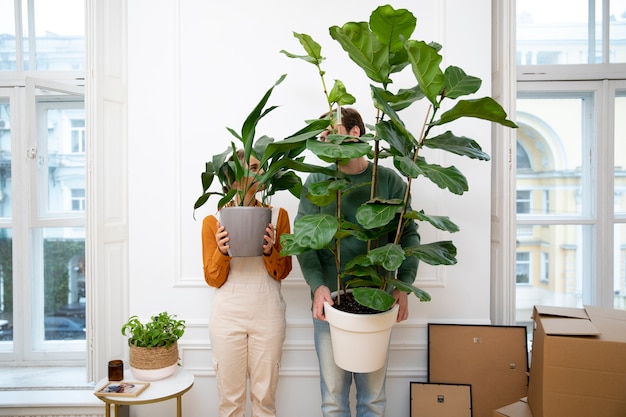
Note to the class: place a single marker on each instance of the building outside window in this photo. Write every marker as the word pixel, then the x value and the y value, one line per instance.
pixel 572 138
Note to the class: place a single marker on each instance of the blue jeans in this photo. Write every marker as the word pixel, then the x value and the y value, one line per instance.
pixel 335 382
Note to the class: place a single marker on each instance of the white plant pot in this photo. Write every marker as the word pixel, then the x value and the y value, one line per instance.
pixel 360 341
pixel 153 374
pixel 246 228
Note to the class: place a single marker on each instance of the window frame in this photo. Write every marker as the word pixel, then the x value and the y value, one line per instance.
pixel 595 211
pixel 606 78
pixel 26 346
pixel 507 77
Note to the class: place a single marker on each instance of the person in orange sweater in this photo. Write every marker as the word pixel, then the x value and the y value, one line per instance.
pixel 247 321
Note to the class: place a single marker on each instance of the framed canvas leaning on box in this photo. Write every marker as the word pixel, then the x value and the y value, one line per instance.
pixel 492 359
pixel 449 400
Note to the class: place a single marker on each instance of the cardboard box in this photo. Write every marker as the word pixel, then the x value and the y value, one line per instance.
pixel 517 409
pixel 441 400
pixel 492 359
pixel 578 365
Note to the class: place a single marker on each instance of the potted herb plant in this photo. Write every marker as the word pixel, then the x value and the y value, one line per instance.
pixel 276 171
pixel 153 345
pixel 382 48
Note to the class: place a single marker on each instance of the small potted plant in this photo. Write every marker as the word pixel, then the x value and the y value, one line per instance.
pixel 383 47
pixel 278 162
pixel 153 345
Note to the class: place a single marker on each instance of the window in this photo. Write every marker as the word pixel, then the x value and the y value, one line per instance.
pixel 78 135
pixel 42 196
pixel 570 95
pixel 48 35
pixel 78 199
pixel 545 268
pixel 523 201
pixel 581 32
pixel 522 268
pixel 45 319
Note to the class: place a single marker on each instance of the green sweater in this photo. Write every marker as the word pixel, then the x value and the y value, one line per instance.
pixel 318 266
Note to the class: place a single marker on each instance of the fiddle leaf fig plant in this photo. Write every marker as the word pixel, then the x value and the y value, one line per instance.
pixel 382 48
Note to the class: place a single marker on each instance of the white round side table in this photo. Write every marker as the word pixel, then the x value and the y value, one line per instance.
pixel 164 389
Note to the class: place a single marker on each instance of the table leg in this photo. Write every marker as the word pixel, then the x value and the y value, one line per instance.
pixel 116 410
pixel 107 409
pixel 179 406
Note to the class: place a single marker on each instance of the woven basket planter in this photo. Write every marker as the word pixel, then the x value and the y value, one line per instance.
pixel 151 364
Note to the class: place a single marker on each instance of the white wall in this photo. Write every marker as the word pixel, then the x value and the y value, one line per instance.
pixel 197 66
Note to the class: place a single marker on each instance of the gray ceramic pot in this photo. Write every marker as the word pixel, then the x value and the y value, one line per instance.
pixel 246 228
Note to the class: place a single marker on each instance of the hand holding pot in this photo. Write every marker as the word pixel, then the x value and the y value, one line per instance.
pixel 270 239
pixel 221 238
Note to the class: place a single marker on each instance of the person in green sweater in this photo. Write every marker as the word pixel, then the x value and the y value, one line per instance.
pixel 318 268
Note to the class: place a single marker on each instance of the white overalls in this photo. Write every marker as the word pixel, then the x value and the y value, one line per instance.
pixel 247 331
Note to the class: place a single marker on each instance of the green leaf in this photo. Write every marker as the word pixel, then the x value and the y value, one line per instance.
pixel 459 145
pixel 332 152
pixel 201 200
pixel 407 167
pixel 390 26
pixel 325 192
pixel 444 177
pixel 458 83
pixel 397 136
pixel 312 48
pixel 365 49
pixel 435 253
pixel 249 126
pixel 374 298
pixel 377 214
pixel 440 222
pixel 389 256
pixel 425 63
pixel 226 198
pixel 207 179
pixel 339 95
pixel 402 99
pixel 380 102
pixel 484 108
pixel 313 231
pixel 403 286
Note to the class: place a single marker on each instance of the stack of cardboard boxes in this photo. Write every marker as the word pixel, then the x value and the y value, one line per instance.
pixel 578 366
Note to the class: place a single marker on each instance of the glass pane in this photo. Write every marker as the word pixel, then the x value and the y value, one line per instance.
pixel 64 283
pixel 7 36
pixel 6 285
pixel 62 168
pixel 556 260
pixel 620 153
pixel 550 33
pixel 5 159
pixel 620 266
pixel 555 179
pixel 617 37
pixel 6 236
pixel 56 40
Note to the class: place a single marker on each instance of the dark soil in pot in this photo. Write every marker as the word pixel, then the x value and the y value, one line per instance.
pixel 349 305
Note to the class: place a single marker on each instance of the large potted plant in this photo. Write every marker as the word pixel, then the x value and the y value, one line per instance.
pixel 277 162
pixel 382 48
pixel 153 345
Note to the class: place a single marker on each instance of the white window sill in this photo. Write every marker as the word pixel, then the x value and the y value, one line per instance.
pixel 63 389
pixel 43 378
